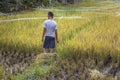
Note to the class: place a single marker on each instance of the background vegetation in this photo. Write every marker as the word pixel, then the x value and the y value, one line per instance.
pixel 18 5
pixel 88 40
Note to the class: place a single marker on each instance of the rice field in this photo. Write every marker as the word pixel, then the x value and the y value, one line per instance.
pixel 87 32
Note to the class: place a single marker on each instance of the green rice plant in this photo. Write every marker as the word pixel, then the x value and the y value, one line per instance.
pixel 94 38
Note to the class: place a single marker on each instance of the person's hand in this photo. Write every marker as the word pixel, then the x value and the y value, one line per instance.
pixel 42 40
pixel 57 41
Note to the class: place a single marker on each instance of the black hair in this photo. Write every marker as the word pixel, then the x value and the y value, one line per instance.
pixel 51 14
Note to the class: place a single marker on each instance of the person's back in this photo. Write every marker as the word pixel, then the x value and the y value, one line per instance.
pixel 50 26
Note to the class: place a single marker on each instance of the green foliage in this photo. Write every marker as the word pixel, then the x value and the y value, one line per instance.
pixel 28 3
pixel 46 2
pixel 8 6
pixel 34 71
pixel 1 71
pixel 17 5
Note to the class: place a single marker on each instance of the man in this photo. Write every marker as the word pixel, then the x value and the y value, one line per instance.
pixel 50 33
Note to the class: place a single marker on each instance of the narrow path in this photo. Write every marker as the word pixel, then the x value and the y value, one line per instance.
pixel 82 8
pixel 36 18
pixel 61 17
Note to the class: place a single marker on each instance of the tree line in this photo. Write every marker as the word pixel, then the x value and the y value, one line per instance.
pixel 18 5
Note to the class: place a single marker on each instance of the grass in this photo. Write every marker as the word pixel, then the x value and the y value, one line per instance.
pixel 96 37
pixel 1 71
pixel 33 73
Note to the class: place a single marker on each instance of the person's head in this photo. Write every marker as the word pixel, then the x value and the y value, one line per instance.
pixel 50 15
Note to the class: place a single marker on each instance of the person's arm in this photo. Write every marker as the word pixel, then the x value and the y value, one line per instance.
pixel 44 31
pixel 56 36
